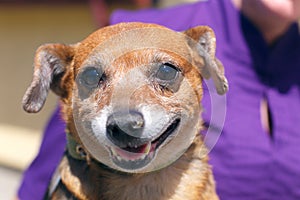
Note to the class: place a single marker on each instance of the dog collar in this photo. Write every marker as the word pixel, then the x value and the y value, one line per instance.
pixel 74 149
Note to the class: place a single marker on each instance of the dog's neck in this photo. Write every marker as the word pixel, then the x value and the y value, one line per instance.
pixel 75 149
pixel 187 178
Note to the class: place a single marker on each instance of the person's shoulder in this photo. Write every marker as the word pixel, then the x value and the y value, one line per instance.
pixel 177 17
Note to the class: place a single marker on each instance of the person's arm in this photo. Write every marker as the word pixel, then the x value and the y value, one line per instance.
pixel 37 176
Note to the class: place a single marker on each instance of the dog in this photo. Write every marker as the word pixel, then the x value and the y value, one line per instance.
pixel 130 95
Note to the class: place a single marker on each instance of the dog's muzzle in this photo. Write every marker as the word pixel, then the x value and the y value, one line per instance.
pixel 131 150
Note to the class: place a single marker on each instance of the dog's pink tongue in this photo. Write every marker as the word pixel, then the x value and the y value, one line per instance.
pixel 132 153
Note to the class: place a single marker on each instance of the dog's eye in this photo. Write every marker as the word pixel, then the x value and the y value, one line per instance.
pixel 90 77
pixel 167 72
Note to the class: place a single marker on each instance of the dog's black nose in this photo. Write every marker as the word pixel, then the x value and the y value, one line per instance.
pixel 125 129
pixel 131 122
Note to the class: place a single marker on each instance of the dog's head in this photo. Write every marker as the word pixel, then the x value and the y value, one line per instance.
pixel 130 92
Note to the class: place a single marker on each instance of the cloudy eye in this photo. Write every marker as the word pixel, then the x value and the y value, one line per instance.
pixel 167 72
pixel 90 77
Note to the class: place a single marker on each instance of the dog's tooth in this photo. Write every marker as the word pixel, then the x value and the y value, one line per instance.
pixel 114 152
pixel 119 158
pixel 143 157
pixel 148 148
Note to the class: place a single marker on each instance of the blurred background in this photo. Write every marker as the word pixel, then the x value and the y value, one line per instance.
pixel 24 26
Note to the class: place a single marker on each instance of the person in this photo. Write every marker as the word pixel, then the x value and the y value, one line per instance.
pixel 258 41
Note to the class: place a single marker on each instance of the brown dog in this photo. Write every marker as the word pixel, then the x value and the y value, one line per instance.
pixel 130 95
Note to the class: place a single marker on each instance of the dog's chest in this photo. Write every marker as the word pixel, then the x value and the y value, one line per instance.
pixel 187 178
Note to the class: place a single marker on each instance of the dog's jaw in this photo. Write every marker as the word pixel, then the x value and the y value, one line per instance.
pixel 187 178
pixel 134 158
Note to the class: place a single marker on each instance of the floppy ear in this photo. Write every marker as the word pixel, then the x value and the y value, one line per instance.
pixel 202 39
pixel 50 65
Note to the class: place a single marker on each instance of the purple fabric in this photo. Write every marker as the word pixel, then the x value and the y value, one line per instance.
pixel 248 163
pixel 37 177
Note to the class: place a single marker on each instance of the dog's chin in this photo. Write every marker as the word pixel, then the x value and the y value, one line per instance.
pixel 136 159
pixel 128 161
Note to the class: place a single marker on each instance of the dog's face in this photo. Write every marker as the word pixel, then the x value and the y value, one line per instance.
pixel 131 92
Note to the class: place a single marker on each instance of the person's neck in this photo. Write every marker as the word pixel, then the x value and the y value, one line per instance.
pixel 273 30
pixel 270 25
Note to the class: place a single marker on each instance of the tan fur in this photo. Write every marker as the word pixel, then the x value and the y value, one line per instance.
pixel 190 176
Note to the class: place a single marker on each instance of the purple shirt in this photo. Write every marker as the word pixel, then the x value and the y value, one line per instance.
pixel 38 175
pixel 248 163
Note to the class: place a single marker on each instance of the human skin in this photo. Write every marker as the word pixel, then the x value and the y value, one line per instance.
pixel 272 17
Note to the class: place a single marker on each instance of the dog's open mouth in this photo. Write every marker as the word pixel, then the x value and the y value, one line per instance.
pixel 134 156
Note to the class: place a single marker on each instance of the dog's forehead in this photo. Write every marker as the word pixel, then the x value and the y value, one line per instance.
pixel 112 42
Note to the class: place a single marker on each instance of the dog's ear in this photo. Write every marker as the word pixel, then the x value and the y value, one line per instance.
pixel 202 39
pixel 50 65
